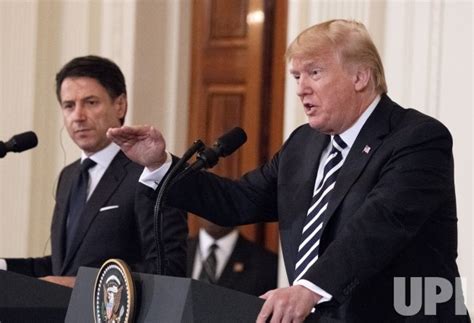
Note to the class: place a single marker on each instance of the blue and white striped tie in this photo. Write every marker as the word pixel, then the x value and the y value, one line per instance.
pixel 312 229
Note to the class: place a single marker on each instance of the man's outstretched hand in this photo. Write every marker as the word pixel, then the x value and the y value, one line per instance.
pixel 144 145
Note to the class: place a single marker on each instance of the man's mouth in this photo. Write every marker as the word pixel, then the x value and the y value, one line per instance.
pixel 309 107
pixel 81 131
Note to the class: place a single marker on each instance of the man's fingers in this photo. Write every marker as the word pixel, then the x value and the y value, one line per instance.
pixel 125 135
pixel 118 135
pixel 266 311
pixel 277 314
pixel 267 294
pixel 262 318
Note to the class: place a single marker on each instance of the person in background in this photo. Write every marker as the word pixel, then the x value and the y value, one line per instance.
pixel 222 256
pixel 96 216
pixel 363 193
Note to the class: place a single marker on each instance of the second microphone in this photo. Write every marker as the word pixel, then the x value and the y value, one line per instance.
pixel 224 146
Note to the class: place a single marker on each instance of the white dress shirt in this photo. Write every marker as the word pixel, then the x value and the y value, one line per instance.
pixel 225 246
pixel 103 158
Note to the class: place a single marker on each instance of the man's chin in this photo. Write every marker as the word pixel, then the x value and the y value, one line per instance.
pixel 86 145
pixel 321 128
pixel 315 124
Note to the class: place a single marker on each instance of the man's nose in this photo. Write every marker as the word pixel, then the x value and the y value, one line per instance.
pixel 79 113
pixel 303 87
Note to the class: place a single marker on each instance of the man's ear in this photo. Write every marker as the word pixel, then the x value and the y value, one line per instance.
pixel 121 106
pixel 361 78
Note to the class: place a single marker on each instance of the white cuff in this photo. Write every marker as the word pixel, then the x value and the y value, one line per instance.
pixel 3 264
pixel 153 178
pixel 325 296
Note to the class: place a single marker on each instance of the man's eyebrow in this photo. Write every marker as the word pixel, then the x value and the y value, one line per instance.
pixel 90 97
pixel 312 64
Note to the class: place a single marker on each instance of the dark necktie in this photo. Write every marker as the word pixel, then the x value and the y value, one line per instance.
pixel 77 199
pixel 209 266
pixel 315 218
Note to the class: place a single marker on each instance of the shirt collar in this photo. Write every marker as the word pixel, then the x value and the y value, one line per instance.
pixel 226 243
pixel 105 156
pixel 350 135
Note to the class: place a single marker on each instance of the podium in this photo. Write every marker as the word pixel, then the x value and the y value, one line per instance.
pixel 169 299
pixel 28 299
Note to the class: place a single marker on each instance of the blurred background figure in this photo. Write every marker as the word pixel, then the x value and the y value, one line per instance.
pixel 222 256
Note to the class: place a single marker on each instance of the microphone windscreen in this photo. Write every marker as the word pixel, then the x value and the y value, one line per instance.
pixel 24 141
pixel 230 141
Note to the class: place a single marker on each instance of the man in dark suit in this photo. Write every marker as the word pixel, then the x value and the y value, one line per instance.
pixel 92 94
pixel 240 264
pixel 363 193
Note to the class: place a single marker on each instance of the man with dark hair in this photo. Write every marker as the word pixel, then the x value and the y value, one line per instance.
pixel 96 217
pixel 103 70
pixel 363 193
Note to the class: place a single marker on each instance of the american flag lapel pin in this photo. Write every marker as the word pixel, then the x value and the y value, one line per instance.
pixel 238 267
pixel 366 149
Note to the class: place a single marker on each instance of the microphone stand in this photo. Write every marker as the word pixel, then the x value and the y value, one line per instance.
pixel 197 146
pixel 207 158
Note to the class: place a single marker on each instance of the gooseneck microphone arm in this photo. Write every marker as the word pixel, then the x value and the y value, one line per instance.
pixel 206 158
pixel 197 146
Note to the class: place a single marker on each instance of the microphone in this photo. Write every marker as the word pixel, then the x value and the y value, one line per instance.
pixel 224 146
pixel 19 143
pixel 207 157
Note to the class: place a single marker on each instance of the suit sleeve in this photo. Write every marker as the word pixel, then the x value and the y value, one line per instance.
pixel 36 267
pixel 226 202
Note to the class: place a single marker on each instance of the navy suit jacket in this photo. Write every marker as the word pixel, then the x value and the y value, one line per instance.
pixel 117 232
pixel 250 268
pixel 392 212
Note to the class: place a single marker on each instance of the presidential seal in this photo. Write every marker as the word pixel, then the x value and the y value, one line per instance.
pixel 114 293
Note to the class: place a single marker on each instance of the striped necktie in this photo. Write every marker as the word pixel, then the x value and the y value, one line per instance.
pixel 312 229
pixel 209 266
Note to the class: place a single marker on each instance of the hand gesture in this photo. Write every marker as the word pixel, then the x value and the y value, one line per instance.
pixel 144 145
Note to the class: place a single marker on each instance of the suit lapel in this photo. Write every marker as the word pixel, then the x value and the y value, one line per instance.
pixel 107 185
pixel 235 265
pixel 367 142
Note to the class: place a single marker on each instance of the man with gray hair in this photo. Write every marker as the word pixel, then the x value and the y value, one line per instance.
pixel 363 193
